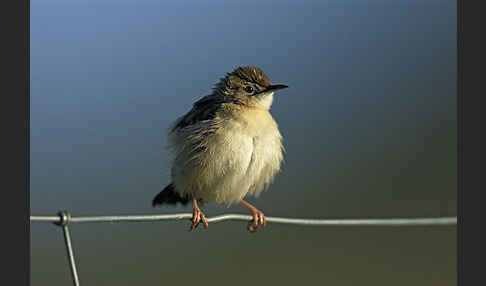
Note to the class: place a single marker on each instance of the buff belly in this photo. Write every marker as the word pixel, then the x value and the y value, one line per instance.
pixel 233 162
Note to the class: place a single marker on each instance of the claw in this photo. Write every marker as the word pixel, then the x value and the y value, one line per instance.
pixel 258 217
pixel 197 216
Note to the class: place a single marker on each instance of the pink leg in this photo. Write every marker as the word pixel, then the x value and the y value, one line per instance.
pixel 197 215
pixel 258 217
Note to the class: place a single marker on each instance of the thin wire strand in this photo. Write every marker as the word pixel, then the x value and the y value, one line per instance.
pixel 438 221
pixel 64 218
pixel 72 262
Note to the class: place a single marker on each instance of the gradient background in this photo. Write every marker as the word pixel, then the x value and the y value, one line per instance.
pixel 369 126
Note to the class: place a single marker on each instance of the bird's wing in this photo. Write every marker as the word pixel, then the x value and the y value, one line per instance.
pixel 203 109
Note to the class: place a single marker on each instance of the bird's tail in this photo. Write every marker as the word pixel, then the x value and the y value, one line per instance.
pixel 169 196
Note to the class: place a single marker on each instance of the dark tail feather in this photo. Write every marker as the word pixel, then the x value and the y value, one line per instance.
pixel 169 196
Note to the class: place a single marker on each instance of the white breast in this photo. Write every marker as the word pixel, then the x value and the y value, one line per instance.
pixel 267 154
pixel 242 157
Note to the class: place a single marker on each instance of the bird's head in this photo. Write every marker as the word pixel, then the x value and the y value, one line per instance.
pixel 248 86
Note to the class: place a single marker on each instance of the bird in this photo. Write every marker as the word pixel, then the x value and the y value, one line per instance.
pixel 226 147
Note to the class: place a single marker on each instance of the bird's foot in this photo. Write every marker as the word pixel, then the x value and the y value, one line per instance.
pixel 258 217
pixel 197 217
pixel 258 220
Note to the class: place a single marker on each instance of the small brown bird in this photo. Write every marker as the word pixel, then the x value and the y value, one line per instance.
pixel 227 146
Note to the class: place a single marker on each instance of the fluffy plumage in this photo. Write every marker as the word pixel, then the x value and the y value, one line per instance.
pixel 228 145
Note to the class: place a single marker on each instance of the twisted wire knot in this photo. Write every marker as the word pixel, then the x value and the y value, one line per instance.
pixel 65 217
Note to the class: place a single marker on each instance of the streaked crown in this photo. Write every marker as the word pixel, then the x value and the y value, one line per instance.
pixel 247 85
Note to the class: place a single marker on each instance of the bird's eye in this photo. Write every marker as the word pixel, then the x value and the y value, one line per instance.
pixel 249 89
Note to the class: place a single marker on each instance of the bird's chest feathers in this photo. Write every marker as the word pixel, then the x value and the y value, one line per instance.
pixel 256 133
pixel 256 124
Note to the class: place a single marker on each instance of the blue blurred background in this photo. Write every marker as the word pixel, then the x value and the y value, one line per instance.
pixel 369 126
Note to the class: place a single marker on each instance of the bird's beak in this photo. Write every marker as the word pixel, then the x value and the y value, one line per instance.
pixel 275 87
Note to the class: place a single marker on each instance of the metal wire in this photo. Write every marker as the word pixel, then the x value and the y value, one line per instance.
pixel 440 221
pixel 63 219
